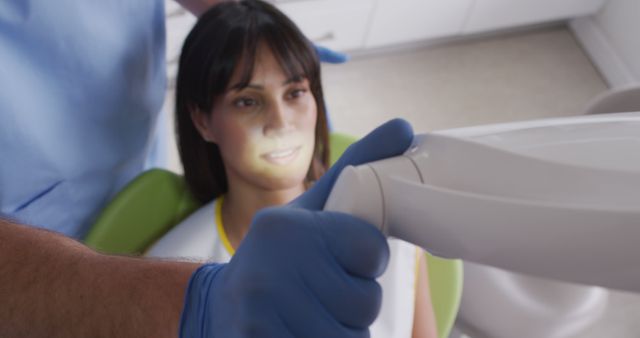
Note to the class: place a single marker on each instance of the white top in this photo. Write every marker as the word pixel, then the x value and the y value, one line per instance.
pixel 202 237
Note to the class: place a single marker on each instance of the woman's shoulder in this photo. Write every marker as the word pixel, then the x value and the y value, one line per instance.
pixel 399 291
pixel 402 269
pixel 193 237
pixel 402 250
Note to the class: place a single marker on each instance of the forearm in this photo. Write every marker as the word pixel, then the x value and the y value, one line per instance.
pixel 52 286
pixel 197 7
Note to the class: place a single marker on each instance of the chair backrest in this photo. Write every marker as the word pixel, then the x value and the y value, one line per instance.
pixel 157 200
pixel 141 213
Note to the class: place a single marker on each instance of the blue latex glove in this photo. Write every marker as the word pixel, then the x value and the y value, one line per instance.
pixel 330 56
pixel 300 271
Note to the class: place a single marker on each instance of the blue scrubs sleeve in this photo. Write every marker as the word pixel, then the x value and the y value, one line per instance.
pixel 81 84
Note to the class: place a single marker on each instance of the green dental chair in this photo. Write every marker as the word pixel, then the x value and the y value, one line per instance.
pixel 158 199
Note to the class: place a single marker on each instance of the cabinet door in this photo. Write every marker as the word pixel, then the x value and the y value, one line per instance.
pixel 337 24
pixel 495 14
pixel 398 21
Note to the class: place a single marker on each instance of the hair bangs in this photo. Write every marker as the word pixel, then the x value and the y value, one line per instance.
pixel 291 49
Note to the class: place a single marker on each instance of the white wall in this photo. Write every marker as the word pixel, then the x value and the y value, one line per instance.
pixel 620 22
pixel 612 39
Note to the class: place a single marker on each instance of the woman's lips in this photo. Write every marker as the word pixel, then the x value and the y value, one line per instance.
pixel 282 157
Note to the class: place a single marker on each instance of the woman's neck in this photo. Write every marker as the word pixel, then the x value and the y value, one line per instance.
pixel 241 203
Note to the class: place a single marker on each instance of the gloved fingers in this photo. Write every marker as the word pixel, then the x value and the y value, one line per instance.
pixel 330 56
pixel 359 247
pixel 291 307
pixel 337 257
pixel 258 319
pixel 353 301
pixel 390 139
pixel 304 315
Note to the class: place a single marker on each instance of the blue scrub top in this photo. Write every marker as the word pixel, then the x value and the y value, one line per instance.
pixel 81 84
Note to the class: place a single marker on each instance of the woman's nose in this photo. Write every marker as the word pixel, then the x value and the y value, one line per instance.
pixel 278 119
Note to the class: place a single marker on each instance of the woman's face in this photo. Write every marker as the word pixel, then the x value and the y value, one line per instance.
pixel 266 131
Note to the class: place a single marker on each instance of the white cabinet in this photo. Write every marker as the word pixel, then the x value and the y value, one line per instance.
pixel 336 24
pixel 347 25
pixel 489 15
pixel 398 21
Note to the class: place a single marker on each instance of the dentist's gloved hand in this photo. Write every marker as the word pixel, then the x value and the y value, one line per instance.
pixel 300 271
pixel 330 56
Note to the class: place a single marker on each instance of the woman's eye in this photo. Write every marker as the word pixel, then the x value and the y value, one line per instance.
pixel 244 102
pixel 296 93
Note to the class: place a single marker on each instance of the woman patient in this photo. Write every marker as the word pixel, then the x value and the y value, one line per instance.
pixel 252 133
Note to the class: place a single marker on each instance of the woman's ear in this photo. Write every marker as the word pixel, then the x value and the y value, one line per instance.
pixel 201 122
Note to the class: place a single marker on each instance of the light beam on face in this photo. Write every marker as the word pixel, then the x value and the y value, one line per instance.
pixel 266 130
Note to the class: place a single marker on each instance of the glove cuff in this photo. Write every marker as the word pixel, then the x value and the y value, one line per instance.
pixel 193 321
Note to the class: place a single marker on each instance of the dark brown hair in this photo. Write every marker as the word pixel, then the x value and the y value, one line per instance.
pixel 225 37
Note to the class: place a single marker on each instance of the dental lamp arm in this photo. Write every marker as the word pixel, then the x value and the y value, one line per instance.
pixel 563 244
pixel 563 235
